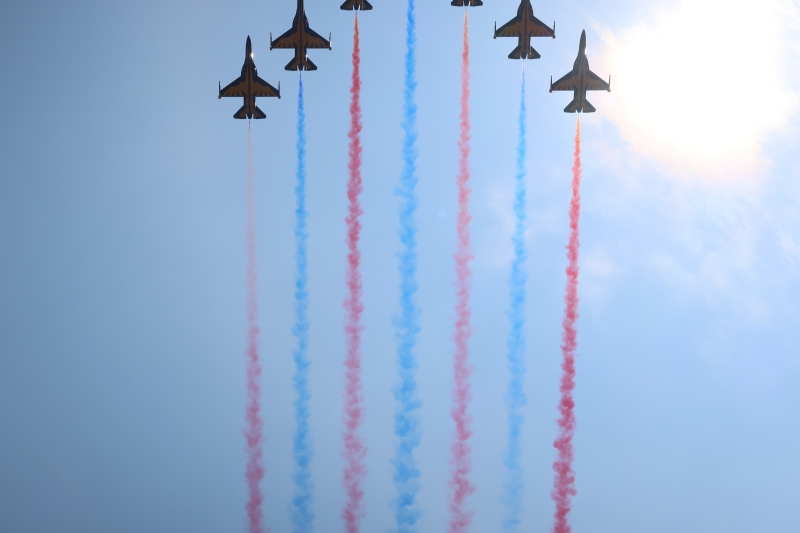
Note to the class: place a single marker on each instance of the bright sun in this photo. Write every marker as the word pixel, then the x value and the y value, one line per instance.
pixel 701 85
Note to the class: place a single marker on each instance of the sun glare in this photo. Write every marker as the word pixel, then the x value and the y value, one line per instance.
pixel 701 85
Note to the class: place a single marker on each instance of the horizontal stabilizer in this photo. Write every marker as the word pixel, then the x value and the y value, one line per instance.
pixel 587 107
pixel 257 113
pixel 572 107
pixel 533 54
pixel 295 64
pixel 352 5
pixel 242 113
pixel 310 65
pixel 517 53
pixel 292 65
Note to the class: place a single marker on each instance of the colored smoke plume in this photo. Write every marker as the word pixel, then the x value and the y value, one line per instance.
pixel 302 515
pixel 254 425
pixel 564 488
pixel 354 448
pixel 406 420
pixel 460 462
pixel 516 338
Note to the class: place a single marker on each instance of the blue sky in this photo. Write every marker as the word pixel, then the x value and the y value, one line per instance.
pixel 122 260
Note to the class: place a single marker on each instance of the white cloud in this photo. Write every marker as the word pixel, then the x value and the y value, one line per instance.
pixel 597 272
pixel 700 86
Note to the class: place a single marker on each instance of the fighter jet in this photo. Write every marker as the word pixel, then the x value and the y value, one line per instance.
pixel 524 26
pixel 249 86
pixel 352 5
pixel 300 37
pixel 580 80
pixel 466 3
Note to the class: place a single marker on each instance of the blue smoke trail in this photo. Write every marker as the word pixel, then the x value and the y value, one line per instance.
pixel 406 421
pixel 302 515
pixel 516 338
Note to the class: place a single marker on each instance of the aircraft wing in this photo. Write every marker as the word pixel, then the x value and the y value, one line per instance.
pixel 237 87
pixel 570 82
pixel 315 40
pixel 593 82
pixel 290 39
pixel 537 28
pixel 512 28
pixel 264 89
pixel 516 28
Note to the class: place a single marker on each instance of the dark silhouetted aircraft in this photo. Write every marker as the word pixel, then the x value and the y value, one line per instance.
pixel 249 86
pixel 352 5
pixel 300 37
pixel 580 80
pixel 466 3
pixel 524 26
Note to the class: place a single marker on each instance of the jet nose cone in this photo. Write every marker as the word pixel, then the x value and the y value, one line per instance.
pixel 249 47
pixel 583 39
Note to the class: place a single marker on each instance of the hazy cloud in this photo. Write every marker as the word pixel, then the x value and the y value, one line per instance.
pixel 699 86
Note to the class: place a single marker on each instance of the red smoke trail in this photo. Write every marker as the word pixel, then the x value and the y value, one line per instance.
pixel 460 485
pixel 254 426
pixel 354 449
pixel 564 488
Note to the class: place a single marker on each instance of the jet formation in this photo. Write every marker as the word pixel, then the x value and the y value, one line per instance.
pixel 580 80
pixel 249 86
pixel 301 37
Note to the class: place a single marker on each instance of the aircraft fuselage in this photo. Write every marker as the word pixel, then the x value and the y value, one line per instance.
pixel 524 45
pixel 580 68
pixel 249 72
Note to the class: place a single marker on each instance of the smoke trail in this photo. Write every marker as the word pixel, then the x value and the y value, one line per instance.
pixel 302 515
pixel 460 462
pixel 516 337
pixel 254 426
pixel 564 488
pixel 406 421
pixel 354 448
